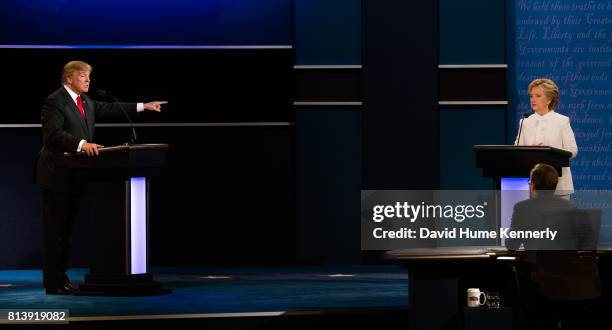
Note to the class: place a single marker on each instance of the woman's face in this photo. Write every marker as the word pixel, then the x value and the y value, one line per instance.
pixel 539 100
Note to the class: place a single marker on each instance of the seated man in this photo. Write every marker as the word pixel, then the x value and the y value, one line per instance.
pixel 558 283
pixel 528 214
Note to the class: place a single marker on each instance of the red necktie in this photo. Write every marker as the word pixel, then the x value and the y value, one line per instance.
pixel 80 106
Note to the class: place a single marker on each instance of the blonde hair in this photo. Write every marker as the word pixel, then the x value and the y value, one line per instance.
pixel 550 89
pixel 73 66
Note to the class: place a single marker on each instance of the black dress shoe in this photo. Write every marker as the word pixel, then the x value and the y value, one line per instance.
pixel 65 289
pixel 68 285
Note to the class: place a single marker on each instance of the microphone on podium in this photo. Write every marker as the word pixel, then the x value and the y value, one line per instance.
pixel 101 93
pixel 525 115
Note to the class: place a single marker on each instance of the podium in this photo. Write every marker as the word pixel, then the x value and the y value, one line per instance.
pixel 510 167
pixel 118 181
pixel 503 161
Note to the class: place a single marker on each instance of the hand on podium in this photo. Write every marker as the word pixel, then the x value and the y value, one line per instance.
pixel 91 149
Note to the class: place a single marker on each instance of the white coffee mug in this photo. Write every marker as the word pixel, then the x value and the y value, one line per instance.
pixel 473 297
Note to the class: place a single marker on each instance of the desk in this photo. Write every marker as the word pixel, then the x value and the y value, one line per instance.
pixel 439 277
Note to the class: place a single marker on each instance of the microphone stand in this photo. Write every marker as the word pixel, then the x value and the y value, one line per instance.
pixel 104 94
pixel 525 115
pixel 134 135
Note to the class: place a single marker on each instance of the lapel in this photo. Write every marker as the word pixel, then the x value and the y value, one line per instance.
pixel 89 114
pixel 74 111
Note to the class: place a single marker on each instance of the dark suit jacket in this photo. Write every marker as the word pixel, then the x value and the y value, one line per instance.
pixel 529 214
pixel 63 129
pixel 562 274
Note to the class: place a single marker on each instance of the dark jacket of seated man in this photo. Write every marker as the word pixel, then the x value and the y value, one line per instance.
pixel 559 273
pixel 529 215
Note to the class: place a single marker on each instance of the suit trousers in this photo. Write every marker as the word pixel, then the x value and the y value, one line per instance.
pixel 59 214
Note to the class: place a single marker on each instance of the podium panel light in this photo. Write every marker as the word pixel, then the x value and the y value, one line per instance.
pixel 138 225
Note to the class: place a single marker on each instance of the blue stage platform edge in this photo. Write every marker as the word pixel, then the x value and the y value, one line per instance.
pixel 225 290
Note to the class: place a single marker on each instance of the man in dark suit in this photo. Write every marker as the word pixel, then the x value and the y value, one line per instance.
pixel 559 284
pixel 68 117
pixel 528 214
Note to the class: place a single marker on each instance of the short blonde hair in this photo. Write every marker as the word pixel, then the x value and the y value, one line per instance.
pixel 73 66
pixel 550 89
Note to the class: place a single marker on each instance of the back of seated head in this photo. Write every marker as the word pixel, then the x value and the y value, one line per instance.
pixel 544 177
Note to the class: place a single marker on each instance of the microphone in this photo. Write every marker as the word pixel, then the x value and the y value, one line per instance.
pixel 525 115
pixel 106 95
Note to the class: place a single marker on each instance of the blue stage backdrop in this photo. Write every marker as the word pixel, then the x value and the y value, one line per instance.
pixel 571 43
pixel 145 22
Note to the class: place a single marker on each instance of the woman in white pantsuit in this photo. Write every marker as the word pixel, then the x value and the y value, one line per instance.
pixel 547 128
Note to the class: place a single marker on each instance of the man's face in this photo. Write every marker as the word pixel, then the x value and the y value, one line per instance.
pixel 79 81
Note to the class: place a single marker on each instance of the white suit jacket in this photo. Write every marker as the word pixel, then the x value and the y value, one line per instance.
pixel 554 130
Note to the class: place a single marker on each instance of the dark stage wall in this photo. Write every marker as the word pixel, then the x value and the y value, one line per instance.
pixel 226 190
pixel 472 70
pixel 400 119
pixel 353 83
pixel 226 67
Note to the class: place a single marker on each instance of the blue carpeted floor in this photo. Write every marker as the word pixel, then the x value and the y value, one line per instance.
pixel 225 290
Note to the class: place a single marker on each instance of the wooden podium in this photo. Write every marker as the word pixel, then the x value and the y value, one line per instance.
pixel 118 181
